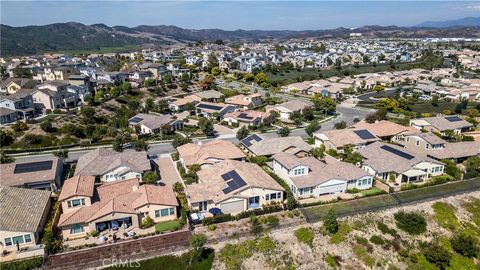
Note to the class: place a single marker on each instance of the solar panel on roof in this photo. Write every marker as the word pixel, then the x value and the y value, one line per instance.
pixel 364 134
pixel 33 166
pixel 453 118
pixel 136 119
pixel 209 107
pixel 397 152
pixel 234 181
pixel 248 141
pixel 245 116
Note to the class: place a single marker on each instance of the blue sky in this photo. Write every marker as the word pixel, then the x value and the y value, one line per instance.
pixel 231 15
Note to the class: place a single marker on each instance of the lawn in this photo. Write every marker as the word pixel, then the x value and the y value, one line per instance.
pixel 315 213
pixel 372 192
pixel 167 226
pixel 438 190
pixel 427 107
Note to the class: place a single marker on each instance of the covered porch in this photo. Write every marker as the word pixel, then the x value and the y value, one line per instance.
pixel 413 176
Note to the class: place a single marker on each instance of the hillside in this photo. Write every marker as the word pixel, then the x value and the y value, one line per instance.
pixel 467 21
pixel 76 36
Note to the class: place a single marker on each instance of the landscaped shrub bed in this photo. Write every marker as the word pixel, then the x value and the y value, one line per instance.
pixel 246 214
pixel 23 264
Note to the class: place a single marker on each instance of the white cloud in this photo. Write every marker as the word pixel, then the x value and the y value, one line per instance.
pixel 474 7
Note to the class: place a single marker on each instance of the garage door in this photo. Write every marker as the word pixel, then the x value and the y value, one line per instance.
pixel 331 189
pixel 232 207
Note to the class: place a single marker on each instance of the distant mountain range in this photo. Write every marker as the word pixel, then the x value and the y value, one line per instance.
pixel 73 36
pixel 467 21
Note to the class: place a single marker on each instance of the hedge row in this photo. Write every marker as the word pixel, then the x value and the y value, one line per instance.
pixel 246 214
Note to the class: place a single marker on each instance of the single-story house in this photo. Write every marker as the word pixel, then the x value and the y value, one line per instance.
pixel 310 177
pixel 233 187
pixel 337 139
pixel 398 165
pixel 206 154
pixel 286 108
pixel 45 174
pixel 246 101
pixel 24 213
pixel 258 145
pixel 211 110
pixel 442 123
pixel 154 123
pixel 247 118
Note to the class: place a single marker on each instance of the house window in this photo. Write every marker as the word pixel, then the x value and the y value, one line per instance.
pixel 77 228
pixel 299 171
pixel 8 242
pixel 18 239
pixel 157 213
pixel 75 203
pixel 164 212
pixel 203 206
pixel 28 238
pixel 172 211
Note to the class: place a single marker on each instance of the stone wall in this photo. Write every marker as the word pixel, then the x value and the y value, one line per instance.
pixel 126 251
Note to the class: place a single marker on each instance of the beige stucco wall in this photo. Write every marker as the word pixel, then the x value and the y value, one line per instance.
pixel 7 234
pixel 150 209
pixel 66 209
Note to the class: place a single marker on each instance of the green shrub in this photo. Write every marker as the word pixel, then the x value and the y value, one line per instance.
pixel 272 221
pixel 147 223
pixel 466 245
pixel 305 235
pixel 438 255
pixel 362 254
pixel 94 233
pixel 341 235
pixel 330 260
pixel 330 222
pixel 385 229
pixel 353 190
pixel 410 222
pixel 212 227
pixel 377 240
pixel 361 240
pixel 33 263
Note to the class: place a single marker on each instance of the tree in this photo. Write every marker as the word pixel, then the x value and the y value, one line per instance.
pixel 472 166
pixel 249 77
pixel 140 145
pixel 312 127
pixel 379 88
pixel 324 104
pixel 47 126
pixel 465 244
pixel 284 132
pixel 88 114
pixel 340 125
pixel 318 152
pixel 179 140
pixel 207 81
pixel 147 223
pixel 62 153
pixel 330 223
pixel 296 117
pixel 452 169
pixel 206 126
pixel 178 187
pixel 6 159
pixel 117 146
pixel 262 79
pixel 242 133
pixel 435 100
pixel 19 126
pixel 197 241
pixel 150 177
pixel 6 138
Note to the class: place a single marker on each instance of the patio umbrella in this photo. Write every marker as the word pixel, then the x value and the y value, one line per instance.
pixel 215 211
pixel 254 205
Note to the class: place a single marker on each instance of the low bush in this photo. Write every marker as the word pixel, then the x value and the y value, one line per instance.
pixel 33 263
pixel 305 235
pixel 466 245
pixel 410 222
pixel 385 229
pixel 377 240
pixel 341 235
pixel 445 215
pixel 438 255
